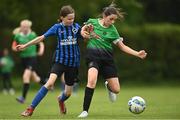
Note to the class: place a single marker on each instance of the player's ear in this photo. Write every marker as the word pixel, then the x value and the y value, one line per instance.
pixel 61 18
pixel 85 23
pixel 104 16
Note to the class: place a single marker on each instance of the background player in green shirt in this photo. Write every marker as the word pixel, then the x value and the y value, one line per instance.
pixel 100 34
pixel 28 56
pixel 6 65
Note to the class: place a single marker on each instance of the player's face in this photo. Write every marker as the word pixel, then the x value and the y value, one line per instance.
pixel 68 20
pixel 25 29
pixel 5 52
pixel 109 20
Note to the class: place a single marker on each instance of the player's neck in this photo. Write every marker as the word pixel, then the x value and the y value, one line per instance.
pixel 102 23
pixel 66 24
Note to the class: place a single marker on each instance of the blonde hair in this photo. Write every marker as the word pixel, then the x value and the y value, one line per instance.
pixel 16 30
pixel 26 22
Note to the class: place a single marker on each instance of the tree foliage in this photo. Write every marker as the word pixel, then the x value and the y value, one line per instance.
pixel 139 27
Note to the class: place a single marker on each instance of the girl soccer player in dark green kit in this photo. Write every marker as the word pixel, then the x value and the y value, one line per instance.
pixel 101 34
pixel 28 56
pixel 6 65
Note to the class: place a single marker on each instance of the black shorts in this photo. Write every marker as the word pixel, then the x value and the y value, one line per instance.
pixel 106 68
pixel 29 63
pixel 70 73
pixel 6 76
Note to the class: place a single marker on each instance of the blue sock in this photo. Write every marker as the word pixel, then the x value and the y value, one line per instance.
pixel 39 96
pixel 62 86
pixel 75 87
pixel 63 97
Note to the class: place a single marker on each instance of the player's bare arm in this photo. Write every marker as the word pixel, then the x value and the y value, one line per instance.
pixel 41 49
pixel 33 42
pixel 14 44
pixel 141 54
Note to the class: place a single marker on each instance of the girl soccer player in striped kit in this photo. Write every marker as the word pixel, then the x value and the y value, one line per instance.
pixel 67 57
pixel 102 33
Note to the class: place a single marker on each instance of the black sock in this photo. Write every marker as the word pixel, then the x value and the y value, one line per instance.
pixel 87 98
pixel 25 90
pixel 43 81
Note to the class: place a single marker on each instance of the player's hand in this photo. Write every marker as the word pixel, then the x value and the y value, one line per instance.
pixel 142 54
pixel 20 47
pixel 85 34
pixel 40 53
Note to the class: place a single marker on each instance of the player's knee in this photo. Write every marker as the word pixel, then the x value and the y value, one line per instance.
pixel 68 93
pixel 91 84
pixel 49 85
pixel 116 90
pixel 26 78
pixel 37 79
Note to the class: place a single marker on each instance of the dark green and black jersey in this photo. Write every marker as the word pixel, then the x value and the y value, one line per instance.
pixel 6 64
pixel 30 51
pixel 101 48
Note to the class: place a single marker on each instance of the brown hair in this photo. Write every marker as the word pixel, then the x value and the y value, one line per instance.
pixel 16 31
pixel 112 9
pixel 65 10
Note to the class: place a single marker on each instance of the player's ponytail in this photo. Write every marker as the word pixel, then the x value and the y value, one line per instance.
pixel 113 9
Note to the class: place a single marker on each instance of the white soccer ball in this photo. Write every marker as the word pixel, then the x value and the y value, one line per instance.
pixel 136 105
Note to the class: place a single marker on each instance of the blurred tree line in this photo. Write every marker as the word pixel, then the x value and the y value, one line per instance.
pixel 152 25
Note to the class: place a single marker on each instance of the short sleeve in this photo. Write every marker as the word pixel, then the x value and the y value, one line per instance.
pixel 78 27
pixel 52 31
pixel 34 34
pixel 89 21
pixel 16 37
pixel 116 36
pixel 117 40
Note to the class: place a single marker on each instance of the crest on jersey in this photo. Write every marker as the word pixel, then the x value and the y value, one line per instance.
pixel 74 30
pixel 104 33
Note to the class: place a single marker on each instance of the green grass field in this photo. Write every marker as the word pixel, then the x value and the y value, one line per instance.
pixel 162 103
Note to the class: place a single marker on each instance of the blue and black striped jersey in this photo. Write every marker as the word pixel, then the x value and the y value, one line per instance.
pixel 67 49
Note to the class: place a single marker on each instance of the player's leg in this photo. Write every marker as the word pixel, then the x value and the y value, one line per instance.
pixel 8 77
pixel 113 87
pixel 63 97
pixel 5 89
pixel 55 71
pixel 34 75
pixel 40 95
pixel 26 82
pixel 27 65
pixel 36 78
pixel 10 86
pixel 69 75
pixel 75 86
pixel 62 85
pixel 89 90
pixel 109 73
